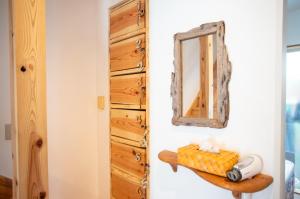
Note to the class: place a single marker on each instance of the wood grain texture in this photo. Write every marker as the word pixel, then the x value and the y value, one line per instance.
pixel 204 79
pixel 126 17
pixel 14 138
pixel 128 90
pixel 5 188
pixel 128 158
pixel 125 141
pixel 129 124
pixel 125 186
pixel 128 35
pixel 194 110
pixel 30 69
pixel 257 183
pixel 221 79
pixel 128 54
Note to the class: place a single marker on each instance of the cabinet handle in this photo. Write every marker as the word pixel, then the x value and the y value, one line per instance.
pixel 140 12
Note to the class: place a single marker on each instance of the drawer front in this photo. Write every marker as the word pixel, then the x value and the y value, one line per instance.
pixel 128 158
pixel 128 124
pixel 128 90
pixel 124 186
pixel 126 18
pixel 128 54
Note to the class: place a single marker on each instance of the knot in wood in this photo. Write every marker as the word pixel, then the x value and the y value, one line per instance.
pixel 42 195
pixel 39 142
pixel 23 69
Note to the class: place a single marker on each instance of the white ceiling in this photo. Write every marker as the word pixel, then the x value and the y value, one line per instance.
pixel 293 5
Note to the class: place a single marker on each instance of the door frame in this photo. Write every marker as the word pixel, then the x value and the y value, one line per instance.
pixel 28 86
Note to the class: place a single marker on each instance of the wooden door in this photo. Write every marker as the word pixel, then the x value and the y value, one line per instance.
pixel 125 186
pixel 129 158
pixel 129 103
pixel 128 124
pixel 30 158
pixel 128 54
pixel 128 91
pixel 127 17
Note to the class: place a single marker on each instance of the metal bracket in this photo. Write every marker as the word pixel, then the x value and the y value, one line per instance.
pixel 144 142
pixel 140 12
pixel 141 66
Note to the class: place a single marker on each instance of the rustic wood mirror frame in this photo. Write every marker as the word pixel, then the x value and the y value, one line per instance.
pixel 223 74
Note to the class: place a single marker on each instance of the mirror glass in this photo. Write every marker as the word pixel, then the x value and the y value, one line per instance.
pixel 199 62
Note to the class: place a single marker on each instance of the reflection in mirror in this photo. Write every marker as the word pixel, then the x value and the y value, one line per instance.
pixel 199 59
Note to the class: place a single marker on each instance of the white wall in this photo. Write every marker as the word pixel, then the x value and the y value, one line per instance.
pixel 254 40
pixel 5 112
pixel 293 28
pixel 103 89
pixel 72 98
pixel 77 60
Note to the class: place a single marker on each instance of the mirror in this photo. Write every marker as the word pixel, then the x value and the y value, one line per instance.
pixel 198 60
pixel 202 73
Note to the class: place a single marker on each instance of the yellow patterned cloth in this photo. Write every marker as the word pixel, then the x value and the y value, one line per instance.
pixel 214 163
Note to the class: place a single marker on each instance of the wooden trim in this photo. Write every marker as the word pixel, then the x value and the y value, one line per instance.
pixel 127 71
pixel 30 83
pixel 128 35
pixel 125 141
pixel 14 140
pixel 147 7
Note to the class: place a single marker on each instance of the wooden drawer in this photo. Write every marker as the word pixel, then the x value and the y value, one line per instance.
pixel 128 158
pixel 127 17
pixel 128 91
pixel 128 55
pixel 128 124
pixel 125 186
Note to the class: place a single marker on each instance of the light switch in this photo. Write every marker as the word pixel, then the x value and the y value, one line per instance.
pixel 7 131
pixel 101 102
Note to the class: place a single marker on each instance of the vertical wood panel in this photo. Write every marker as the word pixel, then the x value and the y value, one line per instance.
pixel 30 71
pixel 129 92
pixel 14 138
pixel 203 97
pixel 124 18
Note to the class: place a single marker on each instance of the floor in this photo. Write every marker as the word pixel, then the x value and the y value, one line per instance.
pixel 296 196
pixel 5 188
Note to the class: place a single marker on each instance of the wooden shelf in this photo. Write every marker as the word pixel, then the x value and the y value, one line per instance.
pixel 257 183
